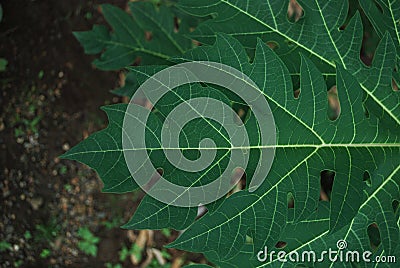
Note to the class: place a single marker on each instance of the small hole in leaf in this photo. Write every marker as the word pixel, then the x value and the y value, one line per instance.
pixel 242 111
pixel 333 104
pixel 196 43
pixel 201 211
pixel 327 178
pixel 272 44
pixel 239 178
pixel 296 93
pixel 154 179
pixel 240 116
pixel 395 87
pixel 176 24
pixel 249 240
pixel 148 35
pixel 374 236
pixel 281 244
pixel 290 200
pixel 367 178
pixel 395 206
pixel 295 11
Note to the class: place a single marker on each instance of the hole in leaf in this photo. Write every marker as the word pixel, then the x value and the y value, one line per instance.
pixel 154 179
pixel 374 236
pixel 290 200
pixel 196 43
pixel 333 104
pixel 395 206
pixel 327 178
pixel 201 211
pixel 242 110
pixel 272 44
pixel 240 116
pixel 367 178
pixel 176 24
pixel 148 35
pixel 295 11
pixel 395 87
pixel 280 244
pixel 296 93
pixel 249 240
pixel 239 178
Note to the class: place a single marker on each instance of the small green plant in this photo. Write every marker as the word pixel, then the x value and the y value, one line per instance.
pixel 63 170
pixel 3 64
pixel 88 243
pixel 115 222
pixel 166 232
pixel 4 245
pixel 47 232
pixel 18 263
pixel 110 265
pixel 133 250
pixel 68 187
pixel 45 253
pixel 40 74
pixel 155 264
pixel 27 235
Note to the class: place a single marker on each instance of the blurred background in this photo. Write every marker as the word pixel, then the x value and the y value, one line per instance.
pixel 53 213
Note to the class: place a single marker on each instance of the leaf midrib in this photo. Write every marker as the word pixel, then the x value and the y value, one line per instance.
pixel 315 146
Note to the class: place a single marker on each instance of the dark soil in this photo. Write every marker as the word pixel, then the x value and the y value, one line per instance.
pixel 50 99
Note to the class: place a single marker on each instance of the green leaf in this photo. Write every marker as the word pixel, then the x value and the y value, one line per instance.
pixel 350 145
pixel 361 147
pixel 102 151
pixel 316 34
pixel 308 143
pixel 384 15
pixel 129 41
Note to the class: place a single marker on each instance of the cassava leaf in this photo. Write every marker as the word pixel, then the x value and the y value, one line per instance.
pixel 129 41
pixel 316 34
